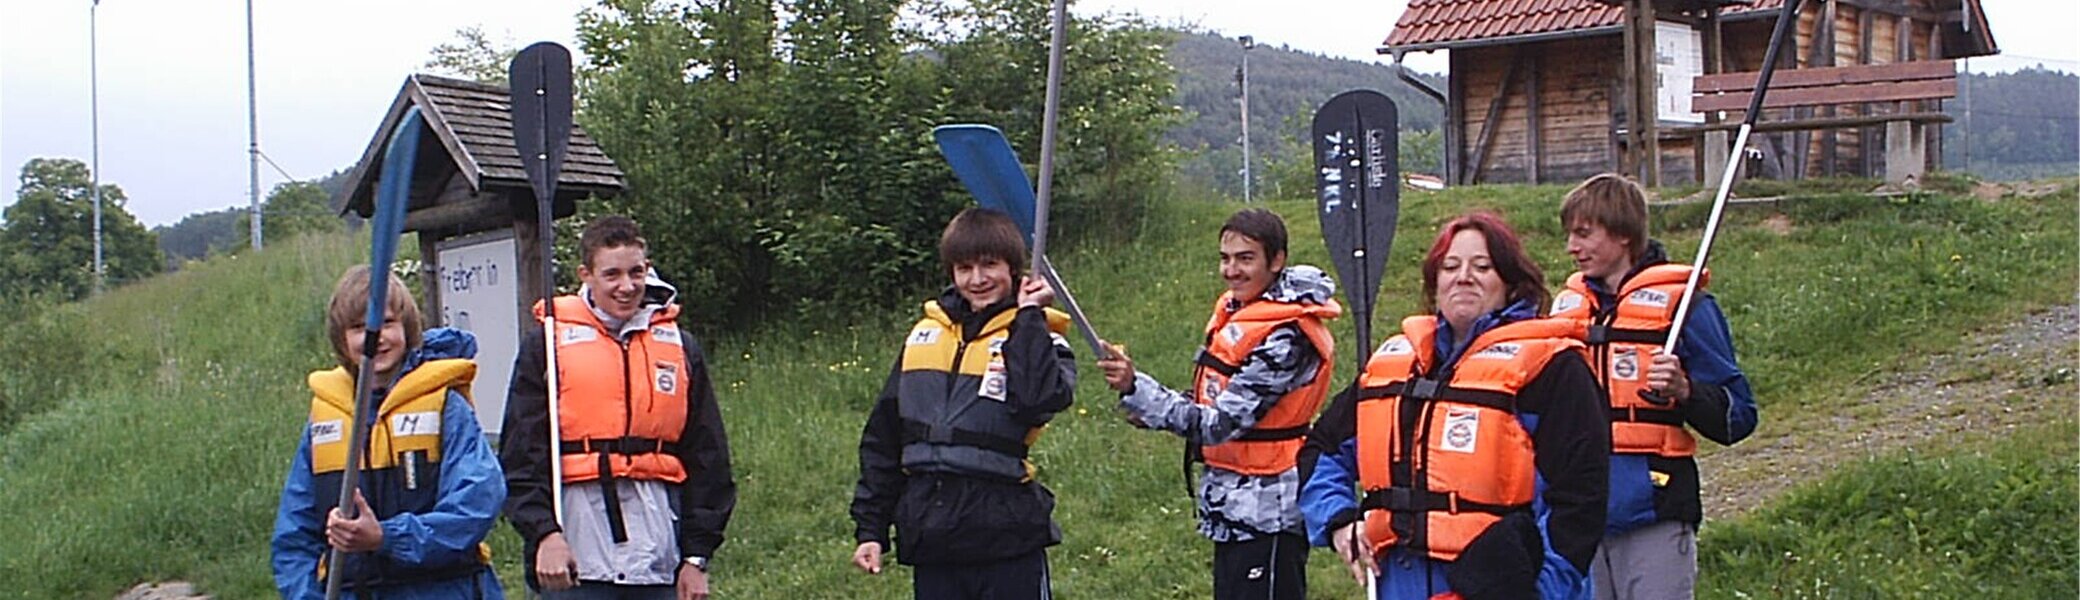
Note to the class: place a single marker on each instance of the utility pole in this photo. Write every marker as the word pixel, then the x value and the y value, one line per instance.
pixel 252 129
pixel 94 110
pixel 1242 79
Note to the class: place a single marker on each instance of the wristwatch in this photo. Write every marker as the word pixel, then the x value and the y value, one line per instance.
pixel 697 562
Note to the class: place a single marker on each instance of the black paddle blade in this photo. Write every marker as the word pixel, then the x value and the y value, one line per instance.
pixel 1358 187
pixel 541 87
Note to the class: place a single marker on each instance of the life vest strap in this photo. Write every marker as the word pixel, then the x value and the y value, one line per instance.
pixel 1402 499
pixel 1273 435
pixel 919 431
pixel 1605 334
pixel 625 445
pixel 1208 360
pixel 1431 389
pixel 1654 416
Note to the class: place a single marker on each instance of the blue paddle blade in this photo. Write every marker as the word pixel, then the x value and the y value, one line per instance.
pixel 393 193
pixel 986 164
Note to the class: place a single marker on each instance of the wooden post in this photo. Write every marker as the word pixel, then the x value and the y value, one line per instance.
pixel 1456 116
pixel 1828 151
pixel 1534 150
pixel 527 250
pixel 1713 148
pixel 430 280
pixel 1645 138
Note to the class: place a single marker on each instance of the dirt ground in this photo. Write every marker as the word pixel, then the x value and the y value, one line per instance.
pixel 1999 379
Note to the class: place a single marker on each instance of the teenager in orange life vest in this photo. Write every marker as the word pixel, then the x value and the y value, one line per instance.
pixel 1468 461
pixel 1623 302
pixel 1260 378
pixel 647 486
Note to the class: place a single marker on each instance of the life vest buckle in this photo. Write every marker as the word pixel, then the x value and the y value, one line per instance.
pixel 1423 389
pixel 1599 335
pixel 939 433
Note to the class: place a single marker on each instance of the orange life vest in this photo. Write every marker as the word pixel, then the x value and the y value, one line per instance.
pixel 1434 489
pixel 1622 341
pixel 628 424
pixel 1272 445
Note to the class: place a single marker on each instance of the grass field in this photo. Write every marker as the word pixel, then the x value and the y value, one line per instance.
pixel 160 449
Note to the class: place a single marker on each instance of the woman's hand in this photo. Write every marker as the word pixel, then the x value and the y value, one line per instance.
pixel 1350 545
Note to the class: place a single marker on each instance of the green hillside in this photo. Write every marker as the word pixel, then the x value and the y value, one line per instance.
pixel 163 456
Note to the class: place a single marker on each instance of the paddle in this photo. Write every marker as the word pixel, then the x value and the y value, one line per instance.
pixel 1785 20
pixel 541 110
pixel 984 162
pixel 1358 190
pixel 393 192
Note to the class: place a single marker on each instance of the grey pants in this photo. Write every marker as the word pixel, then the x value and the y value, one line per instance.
pixel 1656 562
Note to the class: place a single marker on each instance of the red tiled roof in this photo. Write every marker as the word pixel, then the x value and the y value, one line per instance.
pixel 1442 23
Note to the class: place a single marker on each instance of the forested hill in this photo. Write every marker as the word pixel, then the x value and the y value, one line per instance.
pixel 1286 85
pixel 2016 125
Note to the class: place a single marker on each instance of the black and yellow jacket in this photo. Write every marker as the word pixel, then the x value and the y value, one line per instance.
pixel 966 400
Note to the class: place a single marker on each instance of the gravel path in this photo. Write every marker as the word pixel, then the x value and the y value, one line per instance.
pixel 2022 373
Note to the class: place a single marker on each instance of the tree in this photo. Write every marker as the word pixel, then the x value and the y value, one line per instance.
pixel 472 55
pixel 47 238
pixel 785 165
pixel 292 208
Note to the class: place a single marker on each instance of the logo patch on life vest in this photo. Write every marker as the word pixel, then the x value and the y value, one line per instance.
pixel 1211 390
pixel 993 380
pixel 1499 351
pixel 668 335
pixel 1653 298
pixel 326 432
pixel 923 336
pixel 576 335
pixel 1624 364
pixel 1396 347
pixel 667 377
pixel 1462 428
pixel 1566 301
pixel 415 423
pixel 1232 332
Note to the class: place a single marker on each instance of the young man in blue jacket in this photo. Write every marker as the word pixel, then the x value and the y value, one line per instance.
pixel 1624 299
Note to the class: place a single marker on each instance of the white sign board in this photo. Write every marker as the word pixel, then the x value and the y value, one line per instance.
pixel 478 283
pixel 1678 59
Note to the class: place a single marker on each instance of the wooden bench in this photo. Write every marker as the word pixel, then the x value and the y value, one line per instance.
pixel 1903 85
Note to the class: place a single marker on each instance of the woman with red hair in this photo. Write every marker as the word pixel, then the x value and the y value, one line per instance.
pixel 1469 459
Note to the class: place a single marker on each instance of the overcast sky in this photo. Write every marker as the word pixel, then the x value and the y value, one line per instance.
pixel 173 74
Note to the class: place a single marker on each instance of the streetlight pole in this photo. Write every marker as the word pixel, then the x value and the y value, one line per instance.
pixel 1243 81
pixel 94 116
pixel 252 129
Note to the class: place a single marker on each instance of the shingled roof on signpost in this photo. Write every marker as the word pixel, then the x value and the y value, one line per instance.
pixel 468 184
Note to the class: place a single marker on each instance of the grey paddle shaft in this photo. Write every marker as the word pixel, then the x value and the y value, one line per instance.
pixel 1083 324
pixel 1047 130
pixel 1740 143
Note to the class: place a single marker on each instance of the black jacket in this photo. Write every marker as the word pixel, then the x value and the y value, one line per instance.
pixel 943 518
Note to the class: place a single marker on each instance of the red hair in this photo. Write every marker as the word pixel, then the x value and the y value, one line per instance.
pixel 1520 274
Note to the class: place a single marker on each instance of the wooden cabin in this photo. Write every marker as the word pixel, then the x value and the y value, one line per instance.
pixel 1541 91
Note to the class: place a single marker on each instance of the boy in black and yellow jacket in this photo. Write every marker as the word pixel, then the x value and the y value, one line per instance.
pixel 943 454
